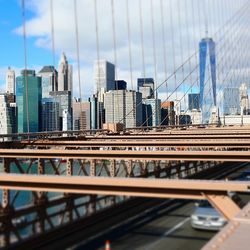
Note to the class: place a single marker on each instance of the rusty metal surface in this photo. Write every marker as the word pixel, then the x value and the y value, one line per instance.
pixel 118 185
pixel 235 235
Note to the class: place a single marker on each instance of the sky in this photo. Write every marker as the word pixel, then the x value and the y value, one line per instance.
pixel 171 31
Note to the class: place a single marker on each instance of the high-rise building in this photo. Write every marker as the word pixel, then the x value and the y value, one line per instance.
pixel 93 112
pixel 50 115
pixel 114 104
pixel 231 101
pixel 104 76
pixel 124 107
pixel 66 120
pixel 49 80
pixel 120 85
pixel 167 113
pixel 133 106
pixel 207 48
pixel 184 119
pixel 195 115
pixel 244 102
pixel 28 100
pixel 152 112
pixel 146 87
pixel 10 81
pixel 65 80
pixel 193 101
pixel 6 116
pixel 81 115
pixel 65 103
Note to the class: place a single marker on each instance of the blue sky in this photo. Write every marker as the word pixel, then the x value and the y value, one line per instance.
pixel 12 44
pixel 189 26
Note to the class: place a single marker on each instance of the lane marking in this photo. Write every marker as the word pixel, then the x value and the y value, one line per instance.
pixel 168 232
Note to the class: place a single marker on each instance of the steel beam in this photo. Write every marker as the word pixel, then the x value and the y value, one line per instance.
pixel 225 156
pixel 121 186
pixel 143 143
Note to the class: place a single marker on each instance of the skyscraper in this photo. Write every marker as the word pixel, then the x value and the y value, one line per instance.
pixel 81 115
pixel 49 80
pixel 207 47
pixel 65 80
pixel 104 76
pixel 28 101
pixel 146 87
pixel 123 106
pixel 10 81
pixel 93 112
pixel 244 101
pixel 50 115
pixel 6 116
pixel 152 112
pixel 65 107
pixel 167 113
pixel 193 101
pixel 231 101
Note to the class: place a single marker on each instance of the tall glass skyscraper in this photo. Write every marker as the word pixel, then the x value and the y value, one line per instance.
pixel 193 101
pixel 231 98
pixel 50 115
pixel 49 80
pixel 34 94
pixel 207 47
pixel 104 76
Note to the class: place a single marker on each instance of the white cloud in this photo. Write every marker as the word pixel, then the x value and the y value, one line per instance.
pixel 182 35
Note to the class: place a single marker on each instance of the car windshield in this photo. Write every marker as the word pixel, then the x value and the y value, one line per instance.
pixel 204 203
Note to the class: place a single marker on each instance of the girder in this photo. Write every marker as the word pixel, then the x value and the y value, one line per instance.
pixel 226 156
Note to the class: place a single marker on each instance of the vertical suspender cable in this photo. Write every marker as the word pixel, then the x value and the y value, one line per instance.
pixel 142 40
pixel 173 44
pixel 99 116
pixel 78 58
pixel 25 66
pixel 155 67
pixel 129 45
pixel 114 38
pixel 54 88
pixel 164 44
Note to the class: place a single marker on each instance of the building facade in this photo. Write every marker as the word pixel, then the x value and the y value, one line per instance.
pixel 146 87
pixel 50 115
pixel 104 76
pixel 65 75
pixel 48 76
pixel 193 101
pixel 207 49
pixel 124 107
pixel 81 115
pixel 65 103
pixel 244 101
pixel 6 116
pixel 167 113
pixel 28 100
pixel 10 81
pixel 152 112
pixel 231 97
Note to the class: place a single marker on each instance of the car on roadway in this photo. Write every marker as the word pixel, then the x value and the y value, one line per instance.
pixel 244 176
pixel 206 217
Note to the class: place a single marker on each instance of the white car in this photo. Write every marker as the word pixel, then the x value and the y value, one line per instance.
pixel 206 217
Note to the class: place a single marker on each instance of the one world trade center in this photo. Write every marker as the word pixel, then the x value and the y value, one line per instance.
pixel 207 49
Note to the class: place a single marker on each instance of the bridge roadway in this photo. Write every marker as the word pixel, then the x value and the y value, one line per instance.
pixel 168 228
